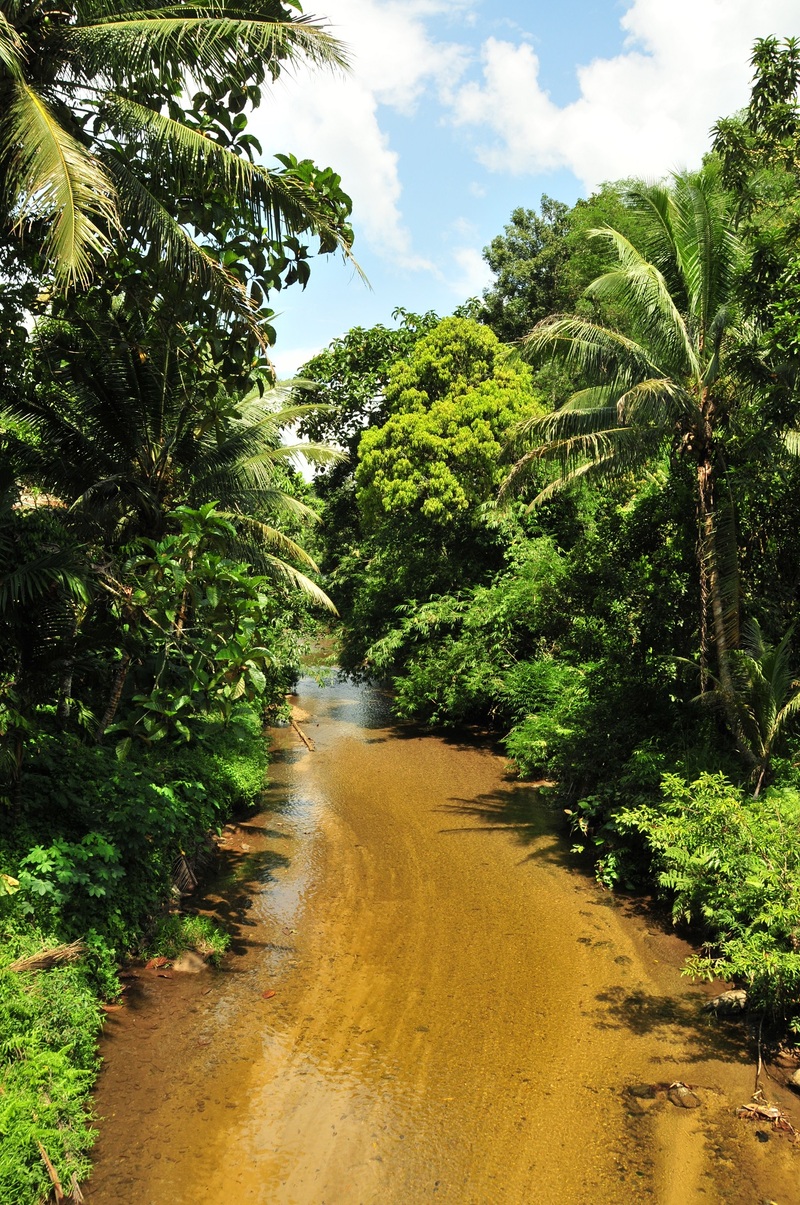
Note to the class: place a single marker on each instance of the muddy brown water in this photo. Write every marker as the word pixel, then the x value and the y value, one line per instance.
pixel 457 1011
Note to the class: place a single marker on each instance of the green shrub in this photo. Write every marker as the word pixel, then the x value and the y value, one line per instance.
pixel 177 933
pixel 49 1021
pixel 731 865
pixel 93 860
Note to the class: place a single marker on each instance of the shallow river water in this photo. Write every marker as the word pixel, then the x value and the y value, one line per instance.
pixel 426 1000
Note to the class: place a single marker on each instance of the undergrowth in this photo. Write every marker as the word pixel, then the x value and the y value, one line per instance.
pixel 175 934
pixel 91 860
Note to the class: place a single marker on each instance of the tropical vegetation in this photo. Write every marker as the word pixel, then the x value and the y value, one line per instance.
pixel 566 513
pixel 156 587
pixel 583 535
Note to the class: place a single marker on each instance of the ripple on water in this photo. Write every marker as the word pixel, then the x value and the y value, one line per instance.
pixel 425 1000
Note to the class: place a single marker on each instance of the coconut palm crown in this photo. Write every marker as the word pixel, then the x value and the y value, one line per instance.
pixel 664 384
pixel 122 432
pixel 98 135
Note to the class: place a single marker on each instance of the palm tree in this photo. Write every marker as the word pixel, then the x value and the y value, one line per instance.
pixel 94 139
pixel 665 386
pixel 767 696
pixel 122 430
pixel 44 585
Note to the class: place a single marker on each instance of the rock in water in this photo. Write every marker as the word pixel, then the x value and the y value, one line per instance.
pixel 682 1096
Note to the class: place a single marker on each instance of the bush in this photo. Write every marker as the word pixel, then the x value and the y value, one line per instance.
pixel 103 833
pixel 175 934
pixel 93 860
pixel 49 1023
pixel 731 865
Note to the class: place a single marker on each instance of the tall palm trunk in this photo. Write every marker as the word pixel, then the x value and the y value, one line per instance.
pixel 115 696
pixel 711 590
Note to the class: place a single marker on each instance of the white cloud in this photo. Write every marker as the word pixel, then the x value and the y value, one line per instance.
pixel 472 273
pixel 287 361
pixel 334 119
pixel 645 111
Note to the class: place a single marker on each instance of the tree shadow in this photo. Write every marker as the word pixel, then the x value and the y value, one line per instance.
pixel 673 1018
pixel 247 826
pixel 229 896
pixel 520 811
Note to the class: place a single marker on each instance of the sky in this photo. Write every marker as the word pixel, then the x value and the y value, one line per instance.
pixel 455 112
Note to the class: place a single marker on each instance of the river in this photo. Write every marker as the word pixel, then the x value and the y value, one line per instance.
pixel 425 1000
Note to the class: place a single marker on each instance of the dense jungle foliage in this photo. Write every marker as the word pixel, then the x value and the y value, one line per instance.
pixel 567 511
pixel 155 591
pixel 570 513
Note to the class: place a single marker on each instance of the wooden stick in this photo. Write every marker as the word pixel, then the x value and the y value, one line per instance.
pixel 308 744
pixel 759 1064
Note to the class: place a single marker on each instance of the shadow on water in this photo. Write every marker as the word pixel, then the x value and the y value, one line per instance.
pixel 520 811
pixel 229 896
pixel 644 1014
pixel 347 702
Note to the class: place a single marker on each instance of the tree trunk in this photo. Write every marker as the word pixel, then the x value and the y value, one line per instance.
pixel 65 686
pixel 710 573
pixel 115 696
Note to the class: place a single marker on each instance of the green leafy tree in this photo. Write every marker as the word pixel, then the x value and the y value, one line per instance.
pixel 202 630
pixel 349 380
pixel 426 478
pixel 451 403
pixel 543 261
pixel 528 261
pixel 100 134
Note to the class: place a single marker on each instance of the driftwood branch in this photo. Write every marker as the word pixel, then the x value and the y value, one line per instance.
pixel 53 956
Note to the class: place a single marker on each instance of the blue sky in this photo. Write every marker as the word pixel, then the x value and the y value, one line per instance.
pixel 456 111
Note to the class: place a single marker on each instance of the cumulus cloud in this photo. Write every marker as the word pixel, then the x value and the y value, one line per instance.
pixel 645 111
pixel 335 119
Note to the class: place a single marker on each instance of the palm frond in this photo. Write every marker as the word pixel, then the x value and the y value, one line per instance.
pixel 54 177
pixel 606 454
pixel 639 286
pixel 12 48
pixel 791 441
pixel 282 203
pixel 150 223
pixel 596 351
pixel 658 403
pixel 205 38
pixel 303 583
pixel 257 538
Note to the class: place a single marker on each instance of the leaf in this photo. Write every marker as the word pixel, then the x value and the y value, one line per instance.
pixel 53 176
pixel 157 962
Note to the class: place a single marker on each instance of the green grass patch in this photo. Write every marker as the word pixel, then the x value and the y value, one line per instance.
pixel 177 933
pixel 49 1024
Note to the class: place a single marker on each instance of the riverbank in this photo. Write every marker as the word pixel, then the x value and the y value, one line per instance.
pixel 424 998
pixel 94 863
